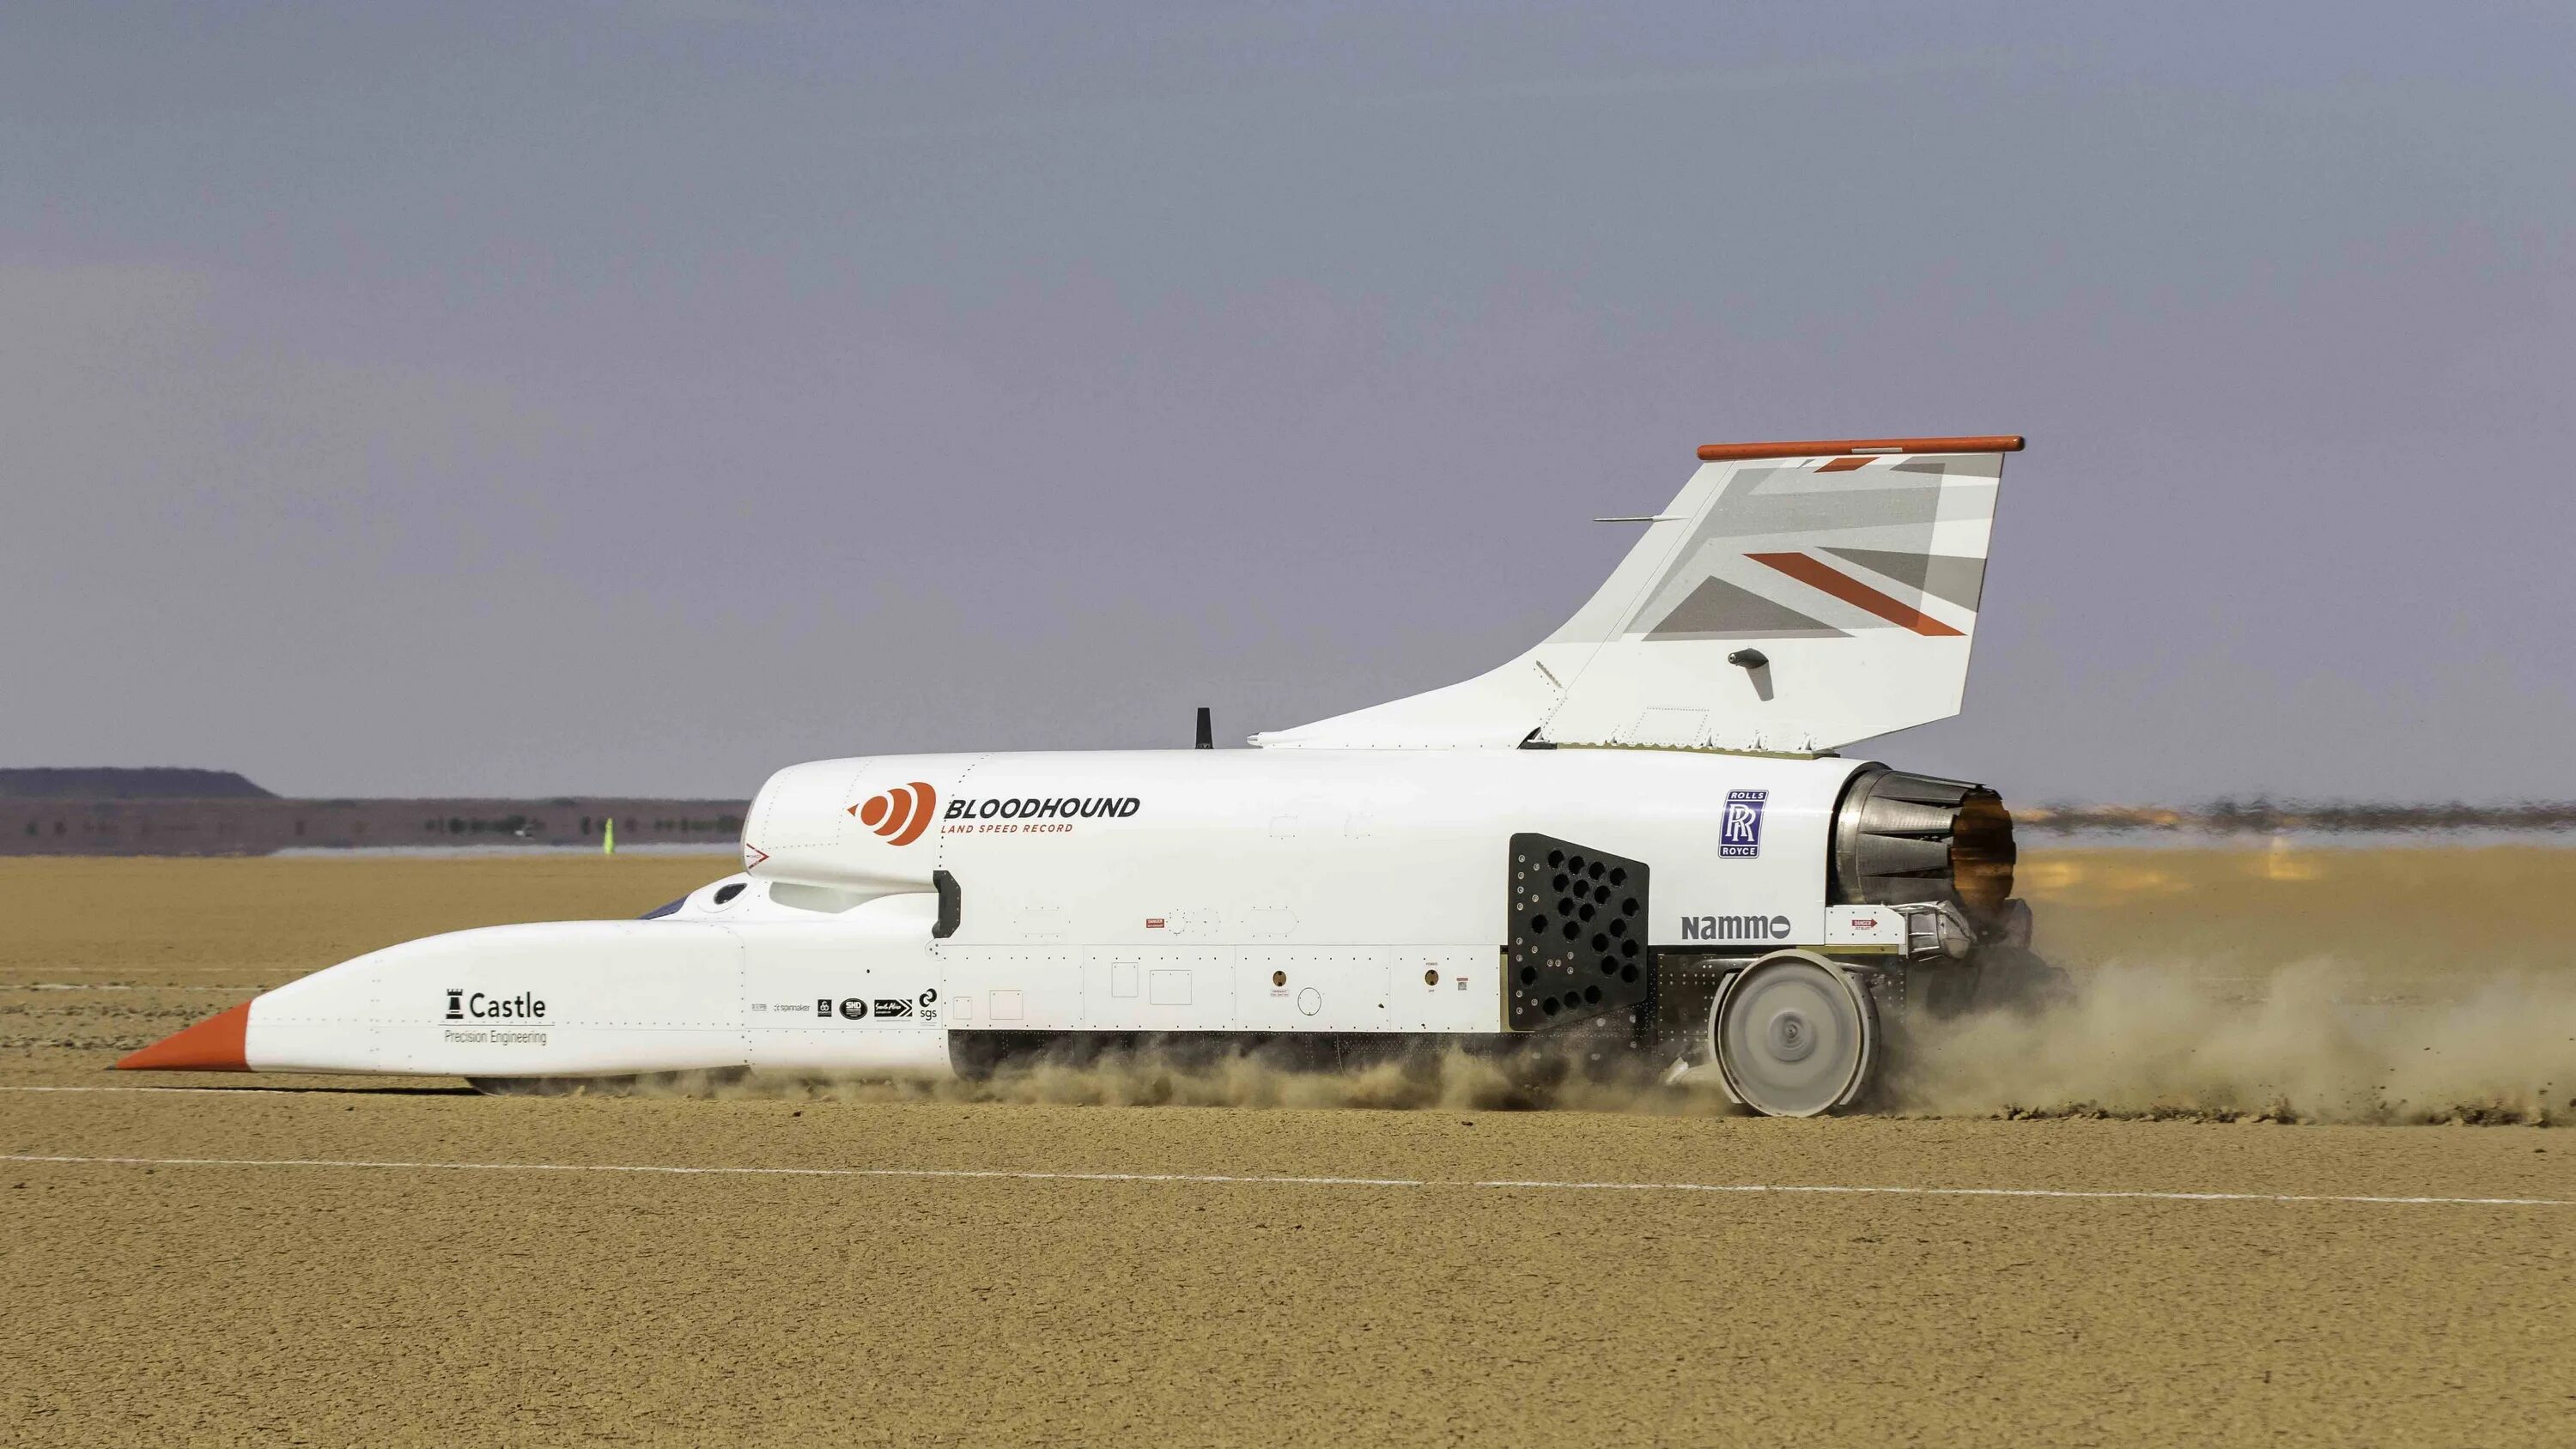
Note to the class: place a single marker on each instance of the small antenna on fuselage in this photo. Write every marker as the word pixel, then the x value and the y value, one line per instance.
pixel 1207 730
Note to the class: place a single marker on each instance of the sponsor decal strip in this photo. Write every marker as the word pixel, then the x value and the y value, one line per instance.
pixel 1070 807
pixel 1266 1180
pixel 1735 928
pixel 477 1006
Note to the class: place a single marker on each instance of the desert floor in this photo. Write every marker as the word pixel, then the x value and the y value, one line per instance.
pixel 2123 1245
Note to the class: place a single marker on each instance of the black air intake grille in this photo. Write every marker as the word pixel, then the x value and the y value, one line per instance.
pixel 1575 946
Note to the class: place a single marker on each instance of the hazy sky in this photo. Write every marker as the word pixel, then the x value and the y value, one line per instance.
pixel 537 398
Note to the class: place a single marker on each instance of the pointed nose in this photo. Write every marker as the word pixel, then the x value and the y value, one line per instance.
pixel 215 1044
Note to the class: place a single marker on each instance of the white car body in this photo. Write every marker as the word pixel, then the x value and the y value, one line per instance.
pixel 1375 875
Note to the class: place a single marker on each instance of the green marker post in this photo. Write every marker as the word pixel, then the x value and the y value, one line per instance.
pixel 608 836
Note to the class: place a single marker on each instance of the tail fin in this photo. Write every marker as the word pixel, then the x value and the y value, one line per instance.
pixel 1794 597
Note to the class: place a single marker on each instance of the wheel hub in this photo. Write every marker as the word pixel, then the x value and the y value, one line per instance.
pixel 1790 1037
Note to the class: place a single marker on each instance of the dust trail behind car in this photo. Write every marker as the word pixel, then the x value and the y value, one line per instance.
pixel 2342 982
pixel 2318 1045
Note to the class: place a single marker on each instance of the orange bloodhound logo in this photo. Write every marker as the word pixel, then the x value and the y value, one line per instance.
pixel 900 814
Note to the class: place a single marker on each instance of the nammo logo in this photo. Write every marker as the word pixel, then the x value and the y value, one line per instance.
pixel 900 814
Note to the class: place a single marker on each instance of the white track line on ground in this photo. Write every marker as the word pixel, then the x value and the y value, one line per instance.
pixel 1266 1180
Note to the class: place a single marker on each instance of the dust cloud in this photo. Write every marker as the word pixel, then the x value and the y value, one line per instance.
pixel 2323 1043
pixel 1428 1080
pixel 2316 1046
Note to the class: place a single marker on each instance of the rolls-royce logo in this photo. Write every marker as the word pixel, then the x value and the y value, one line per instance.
pixel 1739 830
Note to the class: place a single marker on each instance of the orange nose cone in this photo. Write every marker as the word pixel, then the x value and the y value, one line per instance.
pixel 212 1045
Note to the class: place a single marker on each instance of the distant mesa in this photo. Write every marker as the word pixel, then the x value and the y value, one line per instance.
pixel 108 782
pixel 172 811
pixel 2268 817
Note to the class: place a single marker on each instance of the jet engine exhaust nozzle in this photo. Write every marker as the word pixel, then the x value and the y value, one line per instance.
pixel 1901 838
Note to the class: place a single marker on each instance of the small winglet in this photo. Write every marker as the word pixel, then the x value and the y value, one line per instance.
pixel 216 1044
pixel 1853 447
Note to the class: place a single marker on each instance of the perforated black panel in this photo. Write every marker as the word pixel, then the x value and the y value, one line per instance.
pixel 1576 946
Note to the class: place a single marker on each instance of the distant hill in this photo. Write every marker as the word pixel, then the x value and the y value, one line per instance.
pixel 153 782
pixel 255 822
pixel 2269 817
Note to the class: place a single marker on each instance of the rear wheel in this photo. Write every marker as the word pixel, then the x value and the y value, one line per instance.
pixel 1794 1036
